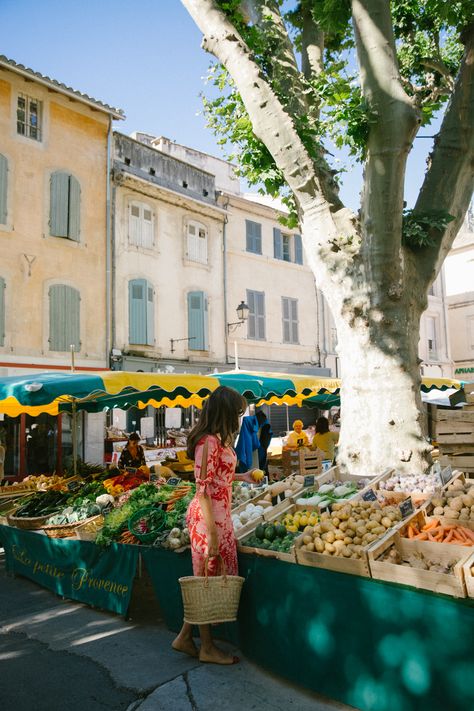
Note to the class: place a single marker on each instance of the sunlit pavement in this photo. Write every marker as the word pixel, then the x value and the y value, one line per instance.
pixel 58 655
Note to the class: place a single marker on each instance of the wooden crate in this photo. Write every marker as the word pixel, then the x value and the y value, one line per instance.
pixel 289 557
pixel 446 583
pixel 428 508
pixel 469 576
pixel 302 461
pixel 339 564
pixel 421 518
pixel 334 474
pixel 455 436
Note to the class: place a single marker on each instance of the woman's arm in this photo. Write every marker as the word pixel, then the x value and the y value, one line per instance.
pixel 245 476
pixel 208 513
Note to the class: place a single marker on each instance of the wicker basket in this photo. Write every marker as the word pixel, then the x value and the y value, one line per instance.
pixel 211 599
pixel 83 535
pixel 30 524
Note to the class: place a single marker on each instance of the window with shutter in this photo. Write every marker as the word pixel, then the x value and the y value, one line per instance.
pixel 290 319
pixel 64 318
pixel 256 319
pixel 298 249
pixel 197 243
pixel 277 243
pixel 286 248
pixel 198 321
pixel 29 117
pixel 253 237
pixel 3 189
pixel 2 311
pixel 141 225
pixel 65 206
pixel 141 313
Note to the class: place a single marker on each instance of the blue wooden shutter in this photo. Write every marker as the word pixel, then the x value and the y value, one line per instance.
pixel 3 189
pixel 285 303
pixel 294 320
pixel 59 207
pixel 74 209
pixel 2 311
pixel 137 311
pixel 64 318
pixel 150 315
pixel 253 236
pixel 277 244
pixel 198 321
pixel 260 312
pixel 298 249
pixel 251 327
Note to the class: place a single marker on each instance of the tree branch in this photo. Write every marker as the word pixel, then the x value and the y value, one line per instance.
pixel 310 180
pixel 449 180
pixel 312 44
pixel 439 66
pixel 390 138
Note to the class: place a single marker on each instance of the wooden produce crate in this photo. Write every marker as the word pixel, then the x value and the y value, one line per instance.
pixel 455 437
pixel 420 519
pixel 468 570
pixel 302 461
pixel 289 557
pixel 446 583
pixel 340 564
pixel 334 474
pixel 429 507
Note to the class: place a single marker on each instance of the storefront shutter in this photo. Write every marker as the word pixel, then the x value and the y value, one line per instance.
pixel 3 189
pixel 64 318
pixel 2 311
pixel 298 249
pixel 277 244
pixel 74 209
pixel 197 321
pixel 150 315
pixel 137 311
pixel 58 218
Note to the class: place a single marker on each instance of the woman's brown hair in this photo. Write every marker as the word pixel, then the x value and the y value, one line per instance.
pixel 322 425
pixel 219 416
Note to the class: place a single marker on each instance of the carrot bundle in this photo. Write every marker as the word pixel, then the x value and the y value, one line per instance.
pixel 436 532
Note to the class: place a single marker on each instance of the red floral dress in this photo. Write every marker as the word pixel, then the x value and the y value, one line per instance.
pixel 221 462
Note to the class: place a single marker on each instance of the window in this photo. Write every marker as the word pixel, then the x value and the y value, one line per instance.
pixel 198 328
pixel 65 207
pixel 431 338
pixel 141 313
pixel 2 311
pixel 289 248
pixel 256 320
pixel 64 318
pixel 3 189
pixel 141 225
pixel 197 243
pixel 28 117
pixel 290 319
pixel 253 236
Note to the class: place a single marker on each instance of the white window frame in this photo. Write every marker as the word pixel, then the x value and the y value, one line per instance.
pixel 197 239
pixel 141 230
pixel 432 338
pixel 291 323
pixel 28 128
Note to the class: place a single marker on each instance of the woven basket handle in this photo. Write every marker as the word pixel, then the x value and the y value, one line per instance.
pixel 222 566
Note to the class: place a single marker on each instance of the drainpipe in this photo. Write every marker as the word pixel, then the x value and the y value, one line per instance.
pixel 108 251
pixel 445 313
pixel 322 329
pixel 113 257
pixel 224 274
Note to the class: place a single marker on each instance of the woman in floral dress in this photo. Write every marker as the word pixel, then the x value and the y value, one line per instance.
pixel 209 514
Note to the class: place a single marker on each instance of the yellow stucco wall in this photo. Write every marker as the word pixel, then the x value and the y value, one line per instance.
pixel 75 141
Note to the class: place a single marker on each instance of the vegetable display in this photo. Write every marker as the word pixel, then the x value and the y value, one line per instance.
pixel 274 537
pixel 417 560
pixel 298 521
pixel 436 532
pixel 327 494
pixel 42 504
pixel 252 512
pixel 457 501
pixel 74 514
pixel 412 483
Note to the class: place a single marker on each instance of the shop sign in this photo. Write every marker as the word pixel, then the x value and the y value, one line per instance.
pixel 79 570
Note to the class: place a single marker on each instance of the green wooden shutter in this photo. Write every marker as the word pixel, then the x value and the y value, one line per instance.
pixel 277 244
pixel 150 315
pixel 2 311
pixel 3 189
pixel 137 311
pixel 74 209
pixel 298 249
pixel 64 318
pixel 197 321
pixel 59 207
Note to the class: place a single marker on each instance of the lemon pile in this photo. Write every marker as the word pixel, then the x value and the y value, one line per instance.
pixel 299 520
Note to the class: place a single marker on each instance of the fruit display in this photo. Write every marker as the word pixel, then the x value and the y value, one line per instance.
pixel 272 537
pixel 348 528
pixel 456 501
pixel 328 494
pixel 299 520
pixel 436 532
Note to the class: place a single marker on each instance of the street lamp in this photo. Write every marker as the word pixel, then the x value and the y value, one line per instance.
pixel 242 313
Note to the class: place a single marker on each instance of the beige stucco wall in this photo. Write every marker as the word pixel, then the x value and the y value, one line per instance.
pixel 277 279
pixel 75 141
pixel 166 267
pixel 461 332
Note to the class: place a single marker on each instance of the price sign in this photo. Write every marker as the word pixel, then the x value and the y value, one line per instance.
pixel 446 475
pixel 370 495
pixel 308 480
pixel 278 498
pixel 406 507
pixel 74 486
pixel 173 481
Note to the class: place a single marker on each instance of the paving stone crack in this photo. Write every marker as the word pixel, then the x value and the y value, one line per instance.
pixel 189 693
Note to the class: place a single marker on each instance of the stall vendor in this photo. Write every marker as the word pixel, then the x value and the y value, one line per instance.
pixel 324 439
pixel 297 438
pixel 132 455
